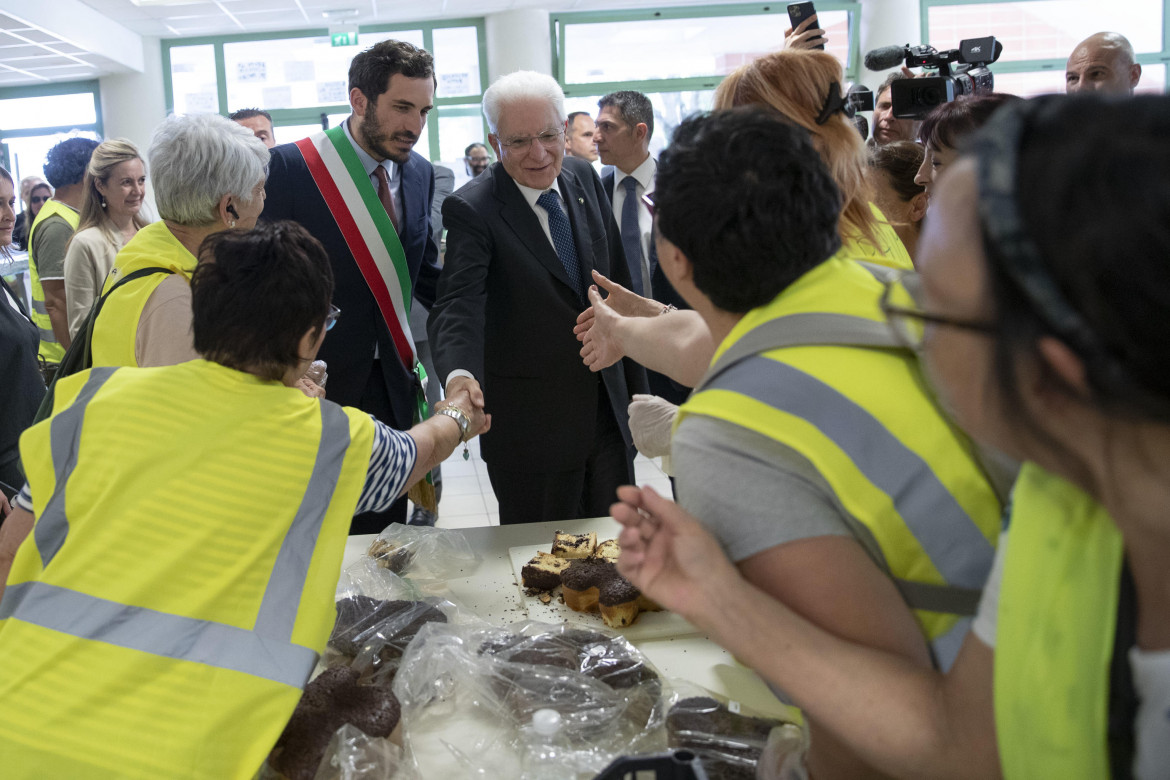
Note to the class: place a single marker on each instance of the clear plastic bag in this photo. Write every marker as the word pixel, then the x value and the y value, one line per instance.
pixel 354 755
pixel 732 742
pixel 485 684
pixel 424 553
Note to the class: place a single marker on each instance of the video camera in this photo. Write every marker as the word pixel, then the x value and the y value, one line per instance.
pixel 969 75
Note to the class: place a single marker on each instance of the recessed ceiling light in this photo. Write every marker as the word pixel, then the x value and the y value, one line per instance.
pixel 339 14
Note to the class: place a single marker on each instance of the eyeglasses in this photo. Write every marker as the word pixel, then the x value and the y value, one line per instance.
pixel 909 325
pixel 549 139
pixel 39 199
pixel 331 318
pixel 648 202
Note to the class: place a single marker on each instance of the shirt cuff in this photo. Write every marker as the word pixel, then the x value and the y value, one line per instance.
pixel 455 373
pixel 23 499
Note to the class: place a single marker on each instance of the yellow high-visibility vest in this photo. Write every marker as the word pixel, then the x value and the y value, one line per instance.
pixel 164 615
pixel 1055 631
pixel 50 349
pixel 818 371
pixel 886 249
pixel 115 332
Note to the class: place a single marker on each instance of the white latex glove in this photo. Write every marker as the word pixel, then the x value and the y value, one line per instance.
pixel 651 419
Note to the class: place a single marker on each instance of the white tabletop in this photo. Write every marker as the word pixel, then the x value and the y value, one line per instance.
pixel 492 591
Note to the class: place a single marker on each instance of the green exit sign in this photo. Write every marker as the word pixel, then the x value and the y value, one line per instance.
pixel 344 38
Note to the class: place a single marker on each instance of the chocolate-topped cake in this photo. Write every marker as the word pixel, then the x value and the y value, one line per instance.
pixel 729 744
pixel 362 620
pixel 594 584
pixel 331 700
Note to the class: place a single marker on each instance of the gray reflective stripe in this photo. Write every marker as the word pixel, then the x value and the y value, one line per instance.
pixel 158 633
pixel 47 335
pixel 39 307
pixel 802 330
pixel 941 526
pixel 282 597
pixel 946 647
pixel 939 598
pixel 64 441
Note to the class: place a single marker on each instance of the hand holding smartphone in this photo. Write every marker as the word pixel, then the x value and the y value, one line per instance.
pixel 804 33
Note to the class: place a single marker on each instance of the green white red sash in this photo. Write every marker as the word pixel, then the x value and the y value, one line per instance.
pixel 367 229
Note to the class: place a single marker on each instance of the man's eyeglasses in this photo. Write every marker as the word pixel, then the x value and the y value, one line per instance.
pixel 331 318
pixel 549 139
pixel 909 324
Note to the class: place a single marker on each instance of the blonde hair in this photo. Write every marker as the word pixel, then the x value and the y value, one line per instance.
pixel 796 83
pixel 105 158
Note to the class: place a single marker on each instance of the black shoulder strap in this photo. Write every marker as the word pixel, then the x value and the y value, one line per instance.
pixel 79 356
pixel 1123 700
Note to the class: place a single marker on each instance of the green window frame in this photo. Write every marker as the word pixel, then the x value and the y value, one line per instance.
pixel 1055 63
pixel 558 22
pixel 90 86
pixel 464 105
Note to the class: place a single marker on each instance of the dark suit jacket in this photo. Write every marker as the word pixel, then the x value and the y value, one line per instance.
pixel 660 384
pixel 349 347
pixel 506 310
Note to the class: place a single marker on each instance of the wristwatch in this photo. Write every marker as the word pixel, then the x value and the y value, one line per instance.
pixel 459 416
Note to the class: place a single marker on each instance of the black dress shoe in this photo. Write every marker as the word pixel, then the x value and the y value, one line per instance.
pixel 422 516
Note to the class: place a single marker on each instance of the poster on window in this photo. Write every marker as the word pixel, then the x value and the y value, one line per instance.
pixel 329 92
pixel 251 72
pixel 451 84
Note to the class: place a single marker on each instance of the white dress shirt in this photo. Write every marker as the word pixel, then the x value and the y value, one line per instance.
pixel 644 175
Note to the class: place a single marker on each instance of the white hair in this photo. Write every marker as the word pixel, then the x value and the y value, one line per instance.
pixel 197 159
pixel 521 85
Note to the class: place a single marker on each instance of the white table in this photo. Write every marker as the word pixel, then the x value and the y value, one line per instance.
pixel 492 591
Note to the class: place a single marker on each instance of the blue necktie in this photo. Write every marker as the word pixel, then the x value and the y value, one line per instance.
pixel 632 234
pixel 562 236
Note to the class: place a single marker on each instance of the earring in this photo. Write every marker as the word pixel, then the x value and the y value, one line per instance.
pixel 103 201
pixel 232 224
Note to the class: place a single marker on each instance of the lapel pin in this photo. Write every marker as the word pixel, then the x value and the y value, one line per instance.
pixel 581 201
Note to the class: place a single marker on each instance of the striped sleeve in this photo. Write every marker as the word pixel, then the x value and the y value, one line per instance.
pixel 391 462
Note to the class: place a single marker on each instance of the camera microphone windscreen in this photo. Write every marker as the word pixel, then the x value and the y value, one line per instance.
pixel 885 58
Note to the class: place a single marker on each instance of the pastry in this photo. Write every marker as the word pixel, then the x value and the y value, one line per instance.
pixel 391 555
pixel 390 625
pixel 574 546
pixel 330 701
pixel 608 550
pixel 594 585
pixel 729 744
pixel 544 571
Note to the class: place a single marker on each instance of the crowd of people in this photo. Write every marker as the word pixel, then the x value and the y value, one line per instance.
pixel 910 388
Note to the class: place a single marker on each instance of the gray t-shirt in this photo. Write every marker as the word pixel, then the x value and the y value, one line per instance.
pixel 750 491
pixel 48 247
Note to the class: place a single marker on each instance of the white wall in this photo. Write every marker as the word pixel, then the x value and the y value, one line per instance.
pixel 133 104
pixel 887 23
pixel 518 40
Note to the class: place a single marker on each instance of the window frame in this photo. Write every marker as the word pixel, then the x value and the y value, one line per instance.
pixel 559 21
pixel 91 86
pixel 1054 63
pixel 455 106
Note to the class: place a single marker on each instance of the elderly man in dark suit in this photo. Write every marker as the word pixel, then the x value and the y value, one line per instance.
pixel 363 192
pixel 522 241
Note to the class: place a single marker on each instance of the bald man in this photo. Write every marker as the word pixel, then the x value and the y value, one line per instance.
pixel 1102 63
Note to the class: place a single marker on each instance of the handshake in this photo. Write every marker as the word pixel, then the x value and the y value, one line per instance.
pixel 464 394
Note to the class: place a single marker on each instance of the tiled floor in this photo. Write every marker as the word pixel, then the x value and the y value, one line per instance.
pixel 468 500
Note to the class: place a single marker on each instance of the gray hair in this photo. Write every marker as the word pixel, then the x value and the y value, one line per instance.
pixel 521 85
pixel 197 159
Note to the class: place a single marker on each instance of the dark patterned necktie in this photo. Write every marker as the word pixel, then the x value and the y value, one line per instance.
pixel 632 234
pixel 385 195
pixel 562 236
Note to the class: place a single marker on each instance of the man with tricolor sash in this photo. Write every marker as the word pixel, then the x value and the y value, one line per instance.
pixel 362 191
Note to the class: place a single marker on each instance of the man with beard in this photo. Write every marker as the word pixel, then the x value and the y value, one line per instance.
pixel 363 192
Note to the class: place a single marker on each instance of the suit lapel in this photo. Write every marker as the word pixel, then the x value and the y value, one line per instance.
pixel 518 215
pixel 574 196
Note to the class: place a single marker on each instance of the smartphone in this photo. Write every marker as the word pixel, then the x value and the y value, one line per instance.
pixel 798 12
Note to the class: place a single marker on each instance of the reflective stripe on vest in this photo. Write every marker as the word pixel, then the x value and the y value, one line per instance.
pixel 944 530
pixel 1055 632
pixel 50 349
pixel 266 651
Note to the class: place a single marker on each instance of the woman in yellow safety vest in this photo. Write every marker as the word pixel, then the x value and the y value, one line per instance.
pixel 164 614
pixel 1047 290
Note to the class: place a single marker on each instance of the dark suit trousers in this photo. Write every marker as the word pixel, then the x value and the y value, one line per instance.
pixel 532 497
pixel 376 401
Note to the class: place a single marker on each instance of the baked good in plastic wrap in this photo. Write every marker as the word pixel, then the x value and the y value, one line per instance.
pixel 731 741
pixel 485 683
pixel 378 615
pixel 424 553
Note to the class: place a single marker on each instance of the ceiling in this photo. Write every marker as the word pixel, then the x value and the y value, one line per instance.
pixel 43 41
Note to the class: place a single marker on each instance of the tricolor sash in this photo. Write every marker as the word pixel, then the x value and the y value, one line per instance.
pixel 367 229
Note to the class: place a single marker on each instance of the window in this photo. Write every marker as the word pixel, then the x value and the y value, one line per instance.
pixel 38 118
pixel 299 76
pixel 677 56
pixel 1039 35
